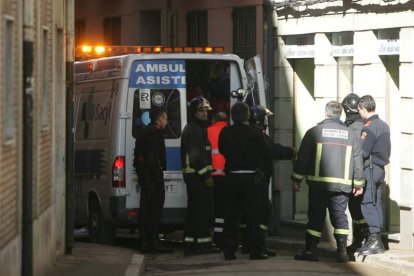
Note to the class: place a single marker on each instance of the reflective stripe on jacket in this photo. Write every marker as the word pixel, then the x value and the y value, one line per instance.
pixel 218 160
pixel 330 158
pixel 195 149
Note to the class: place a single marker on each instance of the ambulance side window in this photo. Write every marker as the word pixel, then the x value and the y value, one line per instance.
pixel 167 99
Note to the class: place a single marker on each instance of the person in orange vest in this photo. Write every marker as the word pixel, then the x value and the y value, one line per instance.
pixel 220 120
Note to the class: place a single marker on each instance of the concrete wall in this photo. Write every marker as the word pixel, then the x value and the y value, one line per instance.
pixel 372 74
pixel 46 22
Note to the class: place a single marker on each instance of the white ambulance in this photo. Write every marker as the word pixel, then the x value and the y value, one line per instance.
pixel 113 96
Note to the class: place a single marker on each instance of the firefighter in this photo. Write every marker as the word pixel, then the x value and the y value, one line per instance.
pixel 243 147
pixel 330 159
pixel 149 163
pixel 196 162
pixel 376 148
pixel 220 120
pixel 355 123
pixel 259 119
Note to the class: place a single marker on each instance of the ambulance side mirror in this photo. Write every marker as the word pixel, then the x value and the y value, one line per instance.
pixel 239 94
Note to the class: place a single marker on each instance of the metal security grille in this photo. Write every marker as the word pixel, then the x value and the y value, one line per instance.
pixel 196 28
pixel 244 32
pixel 112 30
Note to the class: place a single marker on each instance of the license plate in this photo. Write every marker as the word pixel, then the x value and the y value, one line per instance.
pixel 170 187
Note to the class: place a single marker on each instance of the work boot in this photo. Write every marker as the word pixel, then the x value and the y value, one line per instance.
pixel 341 254
pixel 360 235
pixel 373 245
pixel 268 252
pixel 309 254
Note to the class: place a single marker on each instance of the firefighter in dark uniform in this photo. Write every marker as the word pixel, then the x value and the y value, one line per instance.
pixel 220 120
pixel 376 148
pixel 259 119
pixel 149 163
pixel 196 162
pixel 243 147
pixel 355 124
pixel 330 159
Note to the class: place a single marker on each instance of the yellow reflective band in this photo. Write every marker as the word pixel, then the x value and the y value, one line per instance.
pixel 242 225
pixel 361 221
pixel 347 161
pixel 298 176
pixel 359 183
pixel 314 233
pixel 187 169
pixel 189 239
pixel 330 180
pixel 318 159
pixel 341 231
pixel 204 240
pixel 218 229
pixel 205 169
pixel 264 227
pixel 219 220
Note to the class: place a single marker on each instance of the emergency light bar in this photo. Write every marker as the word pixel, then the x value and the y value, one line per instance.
pixel 88 52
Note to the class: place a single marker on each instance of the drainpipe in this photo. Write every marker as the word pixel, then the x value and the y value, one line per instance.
pixel 70 36
pixel 27 186
pixel 269 27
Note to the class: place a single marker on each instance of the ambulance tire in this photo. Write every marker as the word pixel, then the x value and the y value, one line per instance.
pixel 99 230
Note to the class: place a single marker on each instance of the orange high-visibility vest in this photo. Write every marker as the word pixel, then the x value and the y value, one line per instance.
pixel 218 160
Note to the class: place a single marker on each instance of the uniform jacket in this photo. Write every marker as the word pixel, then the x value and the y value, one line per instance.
pixel 196 149
pixel 330 158
pixel 376 141
pixel 149 155
pixel 244 147
pixel 218 160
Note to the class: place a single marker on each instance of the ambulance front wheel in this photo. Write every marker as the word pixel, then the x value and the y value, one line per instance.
pixel 99 230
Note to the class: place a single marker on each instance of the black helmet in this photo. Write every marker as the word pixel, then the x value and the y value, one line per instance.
pixel 197 103
pixel 350 103
pixel 259 115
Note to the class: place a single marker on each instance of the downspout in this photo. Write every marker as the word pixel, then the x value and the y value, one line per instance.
pixel 27 185
pixel 69 192
pixel 269 67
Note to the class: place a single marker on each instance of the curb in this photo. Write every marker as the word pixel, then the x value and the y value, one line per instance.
pixel 395 260
pixel 136 266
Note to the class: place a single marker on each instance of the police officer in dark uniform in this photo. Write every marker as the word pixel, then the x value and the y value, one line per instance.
pixel 330 159
pixel 243 147
pixel 376 148
pixel 355 123
pixel 149 163
pixel 259 119
pixel 196 162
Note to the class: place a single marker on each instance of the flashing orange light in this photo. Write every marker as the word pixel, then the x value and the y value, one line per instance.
pixel 89 52
pixel 99 50
pixel 157 49
pixel 86 49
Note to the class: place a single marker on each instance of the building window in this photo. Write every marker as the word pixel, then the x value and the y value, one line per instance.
pixel 150 27
pixel 197 28
pixel 45 112
pixel 80 27
pixel 244 32
pixel 8 89
pixel 112 30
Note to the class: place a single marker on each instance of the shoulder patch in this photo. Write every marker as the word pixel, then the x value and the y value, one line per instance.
pixel 367 123
pixel 364 135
